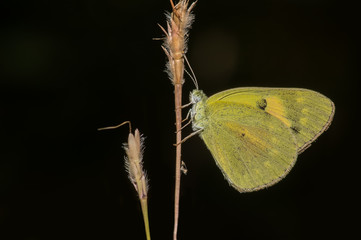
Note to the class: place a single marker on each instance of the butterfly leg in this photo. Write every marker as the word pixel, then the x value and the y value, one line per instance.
pixel 188 114
pixel 185 105
pixel 189 136
pixel 184 125
pixel 187 117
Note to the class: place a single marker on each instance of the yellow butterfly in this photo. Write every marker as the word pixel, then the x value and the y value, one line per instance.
pixel 255 134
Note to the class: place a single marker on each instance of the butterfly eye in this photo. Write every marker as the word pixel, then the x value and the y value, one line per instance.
pixel 197 96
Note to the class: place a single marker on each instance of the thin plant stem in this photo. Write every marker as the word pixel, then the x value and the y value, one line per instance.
pixel 144 206
pixel 175 47
pixel 178 103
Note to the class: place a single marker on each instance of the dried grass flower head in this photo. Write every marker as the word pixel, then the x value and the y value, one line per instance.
pixel 134 163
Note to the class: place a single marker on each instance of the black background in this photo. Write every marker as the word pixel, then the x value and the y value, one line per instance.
pixel 69 67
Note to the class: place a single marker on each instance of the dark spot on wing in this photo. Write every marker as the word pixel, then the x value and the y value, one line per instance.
pixel 262 104
pixel 295 129
pixel 243 134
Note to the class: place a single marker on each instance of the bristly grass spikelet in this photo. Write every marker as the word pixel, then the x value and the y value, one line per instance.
pixel 134 163
pixel 134 166
pixel 176 37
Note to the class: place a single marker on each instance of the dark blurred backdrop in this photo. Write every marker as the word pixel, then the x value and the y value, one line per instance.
pixel 69 67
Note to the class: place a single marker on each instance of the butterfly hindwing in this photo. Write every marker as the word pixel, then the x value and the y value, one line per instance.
pixel 252 148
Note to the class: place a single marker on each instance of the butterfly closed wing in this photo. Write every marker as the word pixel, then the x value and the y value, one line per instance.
pixel 255 134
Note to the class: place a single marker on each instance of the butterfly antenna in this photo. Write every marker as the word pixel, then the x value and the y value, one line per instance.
pixel 193 76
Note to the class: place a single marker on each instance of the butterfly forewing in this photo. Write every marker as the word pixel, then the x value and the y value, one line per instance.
pixel 307 113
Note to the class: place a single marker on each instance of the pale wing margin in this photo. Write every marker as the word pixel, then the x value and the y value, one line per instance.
pixel 253 149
